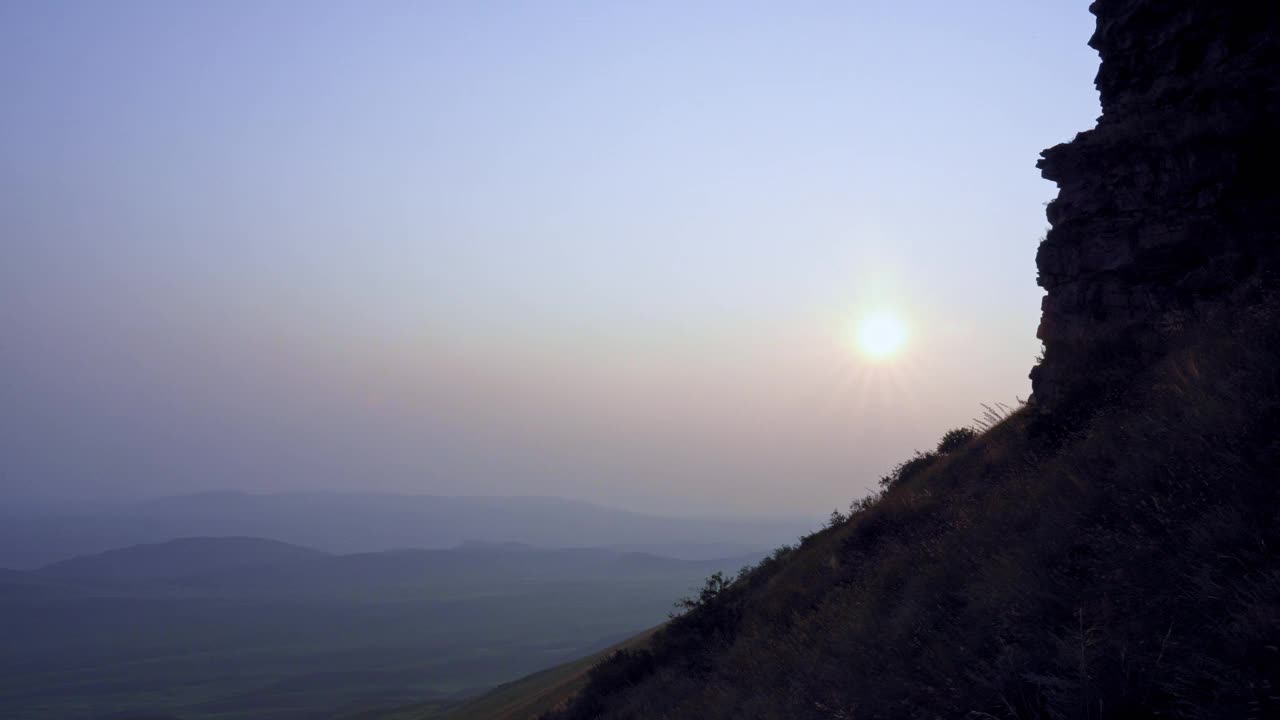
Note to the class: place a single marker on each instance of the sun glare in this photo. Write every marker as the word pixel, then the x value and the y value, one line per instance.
pixel 880 335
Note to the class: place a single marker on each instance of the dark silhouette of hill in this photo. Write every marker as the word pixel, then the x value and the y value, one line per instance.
pixel 1109 551
pixel 347 523
pixel 183 557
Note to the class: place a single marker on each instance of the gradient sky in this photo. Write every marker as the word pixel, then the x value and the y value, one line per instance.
pixel 608 251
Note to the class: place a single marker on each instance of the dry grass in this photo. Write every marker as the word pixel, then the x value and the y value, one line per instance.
pixel 1114 561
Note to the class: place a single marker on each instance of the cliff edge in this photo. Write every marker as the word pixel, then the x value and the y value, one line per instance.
pixel 1168 210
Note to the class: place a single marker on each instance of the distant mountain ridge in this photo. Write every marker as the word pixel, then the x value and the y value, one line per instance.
pixel 354 522
pixel 255 565
pixel 181 557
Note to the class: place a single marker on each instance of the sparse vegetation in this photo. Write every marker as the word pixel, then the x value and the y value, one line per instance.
pixel 992 415
pixel 711 589
pixel 954 439
pixel 908 468
pixel 1116 560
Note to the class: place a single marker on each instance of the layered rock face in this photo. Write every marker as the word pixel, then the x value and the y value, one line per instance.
pixel 1169 209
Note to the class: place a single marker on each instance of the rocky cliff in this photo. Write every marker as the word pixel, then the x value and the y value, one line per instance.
pixel 1167 210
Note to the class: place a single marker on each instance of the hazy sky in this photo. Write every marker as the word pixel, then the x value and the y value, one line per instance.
pixel 611 251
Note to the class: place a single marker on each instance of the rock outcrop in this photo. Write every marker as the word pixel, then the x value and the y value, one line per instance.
pixel 1169 209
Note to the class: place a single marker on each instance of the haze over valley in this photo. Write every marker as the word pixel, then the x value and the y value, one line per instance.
pixel 35 535
pixel 670 360
pixel 258 629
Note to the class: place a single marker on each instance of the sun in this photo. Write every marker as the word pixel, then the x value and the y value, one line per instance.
pixel 880 335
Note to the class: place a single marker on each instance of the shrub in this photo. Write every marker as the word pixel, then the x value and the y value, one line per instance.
pixel 864 503
pixel 622 668
pixel 837 518
pixel 710 590
pixel 955 438
pixel 908 468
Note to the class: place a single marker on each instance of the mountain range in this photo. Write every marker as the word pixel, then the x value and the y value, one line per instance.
pixel 364 522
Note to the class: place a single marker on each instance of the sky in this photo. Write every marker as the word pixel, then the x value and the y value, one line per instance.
pixel 617 252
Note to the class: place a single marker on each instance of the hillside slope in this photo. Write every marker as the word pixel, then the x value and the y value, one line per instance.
pixel 1109 551
pixel 1125 567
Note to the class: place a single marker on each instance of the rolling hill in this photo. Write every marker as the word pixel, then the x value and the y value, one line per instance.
pixel 182 557
pixel 527 697
pixel 248 628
